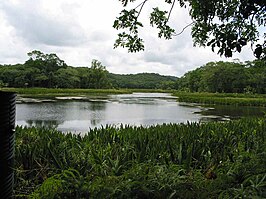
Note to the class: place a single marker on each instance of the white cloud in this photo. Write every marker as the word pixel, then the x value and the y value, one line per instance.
pixel 36 25
pixel 79 31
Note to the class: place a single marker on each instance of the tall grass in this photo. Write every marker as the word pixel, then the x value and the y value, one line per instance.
pixel 190 160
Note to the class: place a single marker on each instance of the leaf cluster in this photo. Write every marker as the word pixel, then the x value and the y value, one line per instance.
pixel 227 25
pixel 129 20
pixel 158 18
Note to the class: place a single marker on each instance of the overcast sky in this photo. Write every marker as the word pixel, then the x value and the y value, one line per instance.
pixel 81 30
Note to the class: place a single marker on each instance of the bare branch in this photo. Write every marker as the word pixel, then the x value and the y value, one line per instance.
pixel 176 34
pixel 173 4
pixel 142 4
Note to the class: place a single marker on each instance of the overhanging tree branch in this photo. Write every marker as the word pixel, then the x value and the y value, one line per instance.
pixel 142 5
pixel 177 34
pixel 173 4
pixel 224 24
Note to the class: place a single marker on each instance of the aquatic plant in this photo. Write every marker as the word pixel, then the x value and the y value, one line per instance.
pixel 190 160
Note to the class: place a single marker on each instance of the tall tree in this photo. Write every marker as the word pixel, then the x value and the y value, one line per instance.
pixel 48 64
pixel 98 75
pixel 228 25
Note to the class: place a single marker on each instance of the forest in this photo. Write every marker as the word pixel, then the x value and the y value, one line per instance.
pixel 226 77
pixel 49 71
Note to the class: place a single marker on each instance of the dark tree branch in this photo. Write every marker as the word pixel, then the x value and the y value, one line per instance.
pixel 173 4
pixel 177 34
pixel 142 4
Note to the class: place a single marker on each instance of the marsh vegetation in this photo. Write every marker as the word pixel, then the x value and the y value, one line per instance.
pixel 214 160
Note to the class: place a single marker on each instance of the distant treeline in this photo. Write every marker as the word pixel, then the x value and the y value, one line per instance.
pixel 226 77
pixel 142 81
pixel 49 71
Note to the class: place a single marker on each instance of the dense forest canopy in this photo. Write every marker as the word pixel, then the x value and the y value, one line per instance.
pixel 142 81
pixel 228 77
pixel 226 25
pixel 48 70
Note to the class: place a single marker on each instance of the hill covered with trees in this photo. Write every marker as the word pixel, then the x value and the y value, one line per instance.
pixel 49 71
pixel 142 81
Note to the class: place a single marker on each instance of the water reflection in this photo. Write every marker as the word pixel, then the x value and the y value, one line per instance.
pixel 96 112
pixel 132 109
pixel 44 123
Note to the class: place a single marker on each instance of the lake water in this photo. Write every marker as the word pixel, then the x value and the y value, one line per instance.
pixel 145 109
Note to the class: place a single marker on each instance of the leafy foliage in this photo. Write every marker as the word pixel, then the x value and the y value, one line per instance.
pixel 227 25
pixel 158 18
pixel 142 81
pixel 49 71
pixel 128 20
pixel 191 160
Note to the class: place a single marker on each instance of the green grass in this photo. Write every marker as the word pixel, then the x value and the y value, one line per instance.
pixel 48 93
pixel 222 98
pixel 212 160
pixel 52 92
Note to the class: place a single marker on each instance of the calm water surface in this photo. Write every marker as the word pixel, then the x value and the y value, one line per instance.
pixel 132 109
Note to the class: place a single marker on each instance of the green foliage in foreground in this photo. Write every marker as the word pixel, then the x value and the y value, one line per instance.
pixel 222 98
pixel 212 160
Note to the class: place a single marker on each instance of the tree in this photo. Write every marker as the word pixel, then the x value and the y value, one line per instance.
pixel 98 75
pixel 228 25
pixel 67 78
pixel 48 64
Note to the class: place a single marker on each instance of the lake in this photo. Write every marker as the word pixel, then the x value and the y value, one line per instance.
pixel 79 114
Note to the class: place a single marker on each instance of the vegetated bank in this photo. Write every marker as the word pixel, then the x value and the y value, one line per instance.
pixel 238 99
pixel 46 92
pixel 210 160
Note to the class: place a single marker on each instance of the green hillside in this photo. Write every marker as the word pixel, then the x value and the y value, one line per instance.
pixel 142 81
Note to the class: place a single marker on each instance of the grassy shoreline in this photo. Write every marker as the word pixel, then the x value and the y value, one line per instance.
pixel 212 160
pixel 223 98
pixel 58 91
pixel 55 92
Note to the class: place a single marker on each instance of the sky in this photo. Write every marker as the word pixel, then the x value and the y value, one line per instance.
pixel 79 31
